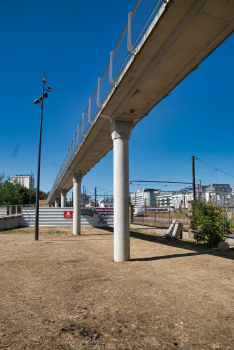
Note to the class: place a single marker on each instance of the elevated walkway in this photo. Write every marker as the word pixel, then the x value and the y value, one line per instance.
pixel 178 37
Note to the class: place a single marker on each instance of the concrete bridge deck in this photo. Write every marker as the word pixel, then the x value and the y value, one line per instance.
pixel 181 35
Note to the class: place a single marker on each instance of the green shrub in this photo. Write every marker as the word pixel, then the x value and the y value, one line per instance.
pixel 208 222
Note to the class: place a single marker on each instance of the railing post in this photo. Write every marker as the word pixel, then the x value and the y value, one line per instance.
pixel 130 46
pixel 77 139
pixel 89 113
pixel 111 80
pixel 70 157
pixel 83 133
pixel 98 95
pixel 73 144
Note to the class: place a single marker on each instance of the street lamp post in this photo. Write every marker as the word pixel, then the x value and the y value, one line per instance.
pixel 41 99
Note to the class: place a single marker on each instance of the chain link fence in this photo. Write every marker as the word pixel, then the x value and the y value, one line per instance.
pixel 162 218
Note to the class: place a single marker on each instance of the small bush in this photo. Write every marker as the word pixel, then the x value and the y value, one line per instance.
pixel 208 222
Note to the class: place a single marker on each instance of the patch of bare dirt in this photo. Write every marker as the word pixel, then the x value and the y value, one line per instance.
pixel 65 292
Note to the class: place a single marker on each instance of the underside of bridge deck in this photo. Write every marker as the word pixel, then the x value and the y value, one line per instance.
pixel 180 37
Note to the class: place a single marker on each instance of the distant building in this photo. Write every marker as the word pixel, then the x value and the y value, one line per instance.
pixel 220 194
pixel 25 180
pixel 164 199
pixel 85 199
pixel 90 204
pixel 106 202
pixel 144 198
pixel 180 198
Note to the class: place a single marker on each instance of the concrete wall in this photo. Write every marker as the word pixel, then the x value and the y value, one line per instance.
pixel 9 222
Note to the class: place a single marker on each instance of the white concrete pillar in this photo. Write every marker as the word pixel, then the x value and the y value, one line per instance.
pixel 56 202
pixel 120 133
pixel 63 198
pixel 77 203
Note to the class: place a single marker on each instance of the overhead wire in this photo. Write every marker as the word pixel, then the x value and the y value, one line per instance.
pixel 166 169
pixel 216 169
pixel 179 170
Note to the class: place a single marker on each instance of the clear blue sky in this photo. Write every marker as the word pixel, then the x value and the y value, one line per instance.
pixel 72 41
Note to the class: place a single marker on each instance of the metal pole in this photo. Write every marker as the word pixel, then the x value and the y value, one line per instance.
pixel 38 168
pixel 95 197
pixel 83 198
pixel 193 173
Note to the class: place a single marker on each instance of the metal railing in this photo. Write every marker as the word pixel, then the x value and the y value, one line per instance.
pixel 10 210
pixel 160 218
pixel 139 21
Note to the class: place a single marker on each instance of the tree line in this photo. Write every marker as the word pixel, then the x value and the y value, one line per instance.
pixel 14 193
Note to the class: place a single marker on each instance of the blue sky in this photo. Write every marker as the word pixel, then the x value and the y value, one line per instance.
pixel 72 41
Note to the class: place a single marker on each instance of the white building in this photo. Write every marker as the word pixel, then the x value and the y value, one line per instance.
pixel 25 180
pixel 220 194
pixel 179 199
pixel 144 198
pixel 107 202
pixel 164 199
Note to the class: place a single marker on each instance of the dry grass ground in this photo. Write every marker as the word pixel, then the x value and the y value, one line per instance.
pixel 65 292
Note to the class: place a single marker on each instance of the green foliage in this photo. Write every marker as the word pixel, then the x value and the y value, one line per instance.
pixel 15 193
pixel 208 222
pixel 43 195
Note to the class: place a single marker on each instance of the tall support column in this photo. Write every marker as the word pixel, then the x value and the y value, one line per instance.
pixel 63 198
pixel 120 133
pixel 77 203
pixel 56 202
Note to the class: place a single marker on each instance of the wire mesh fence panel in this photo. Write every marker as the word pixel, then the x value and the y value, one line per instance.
pixel 105 86
pixel 86 122
pixel 154 218
pixel 94 107
pixel 162 218
pixel 75 146
pixel 121 56
pixel 80 136
pixel 180 215
pixel 142 19
pixel 142 16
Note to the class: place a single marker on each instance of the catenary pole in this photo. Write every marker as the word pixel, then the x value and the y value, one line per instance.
pixel 193 174
pixel 39 166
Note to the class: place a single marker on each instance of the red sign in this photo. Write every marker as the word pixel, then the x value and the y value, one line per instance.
pixel 68 214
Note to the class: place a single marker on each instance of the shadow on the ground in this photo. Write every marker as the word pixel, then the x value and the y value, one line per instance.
pixel 196 248
pixel 166 257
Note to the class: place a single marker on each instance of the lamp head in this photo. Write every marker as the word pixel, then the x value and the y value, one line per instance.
pixel 48 89
pixel 44 80
pixel 45 94
pixel 36 101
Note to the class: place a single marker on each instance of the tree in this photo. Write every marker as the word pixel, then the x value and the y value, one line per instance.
pixel 14 193
pixel 208 222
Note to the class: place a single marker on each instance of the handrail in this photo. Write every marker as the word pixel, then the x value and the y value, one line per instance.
pixel 139 21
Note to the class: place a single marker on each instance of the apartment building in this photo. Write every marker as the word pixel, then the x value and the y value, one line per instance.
pixel 25 180
pixel 221 194
pixel 145 197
